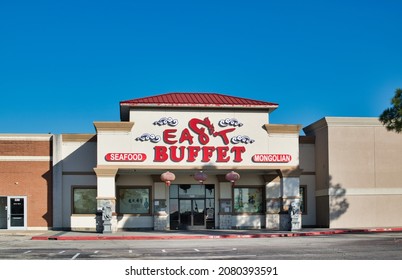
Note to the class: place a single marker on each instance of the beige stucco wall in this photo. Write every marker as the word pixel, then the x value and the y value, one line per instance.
pixel 308 178
pixel 76 163
pixel 352 156
pixel 79 153
pixel 363 186
pixel 388 151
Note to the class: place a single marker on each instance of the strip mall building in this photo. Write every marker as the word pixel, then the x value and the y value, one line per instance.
pixel 197 161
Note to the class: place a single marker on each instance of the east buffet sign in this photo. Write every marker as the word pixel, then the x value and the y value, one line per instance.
pixel 194 143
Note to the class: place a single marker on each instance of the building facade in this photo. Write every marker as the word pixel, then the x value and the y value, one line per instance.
pixel 26 181
pixel 358 173
pixel 204 161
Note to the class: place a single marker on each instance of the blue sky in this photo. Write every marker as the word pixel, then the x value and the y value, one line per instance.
pixel 65 64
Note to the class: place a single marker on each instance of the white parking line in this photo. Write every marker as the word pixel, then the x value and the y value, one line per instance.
pixel 96 252
pixel 61 252
pixel 164 251
pixel 75 256
pixel 214 257
pixel 196 250
pixel 27 252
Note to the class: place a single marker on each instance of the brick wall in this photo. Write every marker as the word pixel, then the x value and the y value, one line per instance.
pixel 26 170
pixel 25 148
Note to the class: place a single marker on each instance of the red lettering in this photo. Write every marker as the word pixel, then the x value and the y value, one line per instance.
pixel 238 151
pixel 203 138
pixel 135 157
pixel 207 152
pixel 173 153
pixel 223 134
pixel 222 154
pixel 167 134
pixel 272 158
pixel 178 153
pixel 192 153
pixel 160 153
pixel 186 136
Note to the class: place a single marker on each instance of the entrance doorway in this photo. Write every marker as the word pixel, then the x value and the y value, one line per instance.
pixel 3 212
pixel 192 213
pixel 13 212
pixel 192 206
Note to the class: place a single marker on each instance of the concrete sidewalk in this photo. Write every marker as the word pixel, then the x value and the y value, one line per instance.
pixel 195 234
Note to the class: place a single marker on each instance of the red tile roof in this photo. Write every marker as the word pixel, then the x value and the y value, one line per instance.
pixel 194 100
pixel 197 100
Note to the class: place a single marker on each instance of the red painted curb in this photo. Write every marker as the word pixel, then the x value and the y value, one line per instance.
pixel 224 236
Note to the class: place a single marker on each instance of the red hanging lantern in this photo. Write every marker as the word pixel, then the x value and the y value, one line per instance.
pixel 168 177
pixel 200 176
pixel 232 177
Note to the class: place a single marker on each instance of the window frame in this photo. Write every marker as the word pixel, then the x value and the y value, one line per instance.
pixel 303 199
pixel 118 202
pixel 73 189
pixel 263 200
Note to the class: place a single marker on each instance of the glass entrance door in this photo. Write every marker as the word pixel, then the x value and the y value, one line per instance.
pixel 192 206
pixel 17 212
pixel 192 214
pixel 3 212
pixel 185 213
pixel 198 212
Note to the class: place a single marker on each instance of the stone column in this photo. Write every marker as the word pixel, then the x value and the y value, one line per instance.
pixel 106 197
pixel 290 212
pixel 160 209
pixel 225 199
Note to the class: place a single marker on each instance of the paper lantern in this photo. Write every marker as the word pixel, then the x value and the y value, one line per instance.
pixel 232 177
pixel 168 177
pixel 200 176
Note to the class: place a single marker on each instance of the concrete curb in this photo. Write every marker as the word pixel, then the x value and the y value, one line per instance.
pixel 211 236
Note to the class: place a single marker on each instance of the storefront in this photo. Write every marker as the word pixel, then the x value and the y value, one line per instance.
pixel 184 161
pixel 221 150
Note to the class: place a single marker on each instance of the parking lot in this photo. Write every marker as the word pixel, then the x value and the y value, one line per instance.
pixel 365 246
